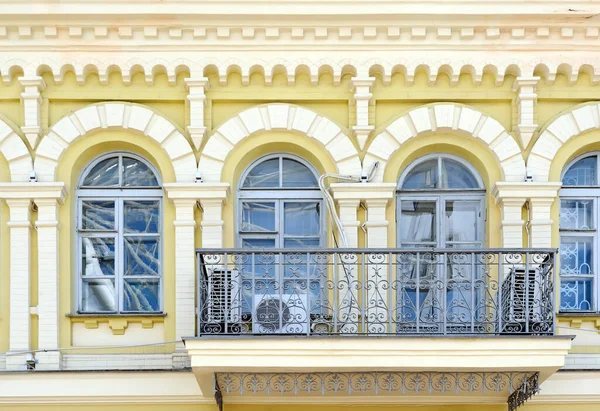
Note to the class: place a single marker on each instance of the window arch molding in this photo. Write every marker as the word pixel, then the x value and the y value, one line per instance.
pixel 119 256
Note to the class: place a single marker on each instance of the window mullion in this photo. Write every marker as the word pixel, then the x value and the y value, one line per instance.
pixel 120 254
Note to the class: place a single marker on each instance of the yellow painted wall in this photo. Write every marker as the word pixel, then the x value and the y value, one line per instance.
pixel 4 263
pixel 73 161
pixel 226 100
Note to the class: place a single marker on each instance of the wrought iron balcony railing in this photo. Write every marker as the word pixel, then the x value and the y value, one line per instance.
pixel 376 292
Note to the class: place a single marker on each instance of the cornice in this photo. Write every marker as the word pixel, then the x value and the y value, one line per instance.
pixel 548 8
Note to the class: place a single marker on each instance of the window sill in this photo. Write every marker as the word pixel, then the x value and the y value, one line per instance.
pixel 112 315
pixel 577 314
pixel 118 323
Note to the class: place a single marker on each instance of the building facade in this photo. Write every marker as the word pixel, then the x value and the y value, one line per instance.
pixel 279 205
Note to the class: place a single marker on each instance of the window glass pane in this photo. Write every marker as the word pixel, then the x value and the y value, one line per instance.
pixel 296 174
pixel 265 174
pixel 456 175
pixel 302 218
pixel 576 214
pixel 137 174
pixel 462 221
pixel 98 257
pixel 142 256
pixel 258 243
pixel 141 295
pixel 98 295
pixel 582 173
pixel 576 255
pixel 98 215
pixel 576 294
pixel 301 243
pixel 417 221
pixel 103 174
pixel 258 217
pixel 424 175
pixel 141 216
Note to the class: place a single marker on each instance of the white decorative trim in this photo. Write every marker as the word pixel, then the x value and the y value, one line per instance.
pixel 526 98
pixel 114 116
pixel 277 117
pixel 16 153
pixel 571 123
pixel 197 101
pixel 106 387
pixel 362 97
pixel 32 99
pixel 454 118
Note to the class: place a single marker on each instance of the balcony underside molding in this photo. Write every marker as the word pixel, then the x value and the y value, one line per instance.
pixel 270 354
pixel 391 386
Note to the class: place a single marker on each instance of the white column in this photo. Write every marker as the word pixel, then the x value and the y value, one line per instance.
pixel 512 223
pixel 48 271
pixel 185 291
pixel 540 230
pixel 185 198
pixel 379 282
pixel 376 196
pixel 212 222
pixel 350 223
pixel 511 197
pixel 362 96
pixel 525 87
pixel 20 272
pixel 197 98
pixel 377 223
pixel 32 100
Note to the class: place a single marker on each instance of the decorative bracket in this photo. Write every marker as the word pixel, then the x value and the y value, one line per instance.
pixel 362 96
pixel 525 87
pixel 32 101
pixel 197 101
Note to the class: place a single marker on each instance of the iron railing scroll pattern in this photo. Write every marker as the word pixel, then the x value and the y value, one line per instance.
pixel 376 292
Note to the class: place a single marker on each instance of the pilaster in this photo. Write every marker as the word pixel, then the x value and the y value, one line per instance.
pixel 349 219
pixel 20 274
pixel 526 98
pixel 511 197
pixel 376 197
pixel 185 198
pixel 362 97
pixel 32 101
pixel 197 100
pixel 48 274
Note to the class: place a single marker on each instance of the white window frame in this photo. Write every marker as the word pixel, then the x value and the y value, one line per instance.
pixel 583 192
pixel 279 196
pixel 441 196
pixel 120 195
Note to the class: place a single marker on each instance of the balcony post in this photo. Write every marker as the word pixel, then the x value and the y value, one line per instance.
pixel 185 197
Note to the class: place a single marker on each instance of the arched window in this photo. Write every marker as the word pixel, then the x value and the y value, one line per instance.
pixel 440 204
pixel 119 213
pixel 280 205
pixel 579 212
